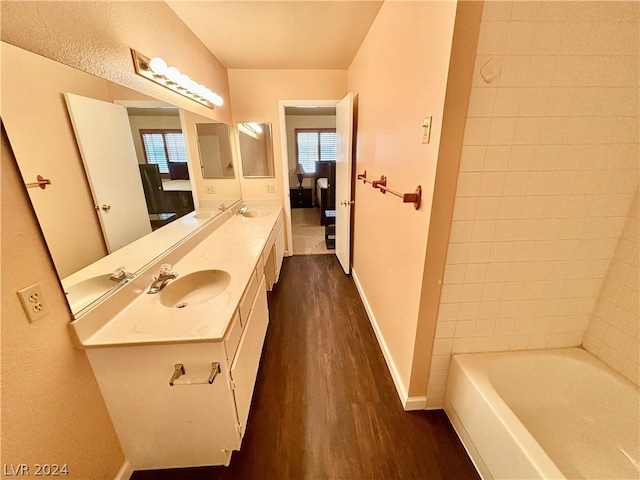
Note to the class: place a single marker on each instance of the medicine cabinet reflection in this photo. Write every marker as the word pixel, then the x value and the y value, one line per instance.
pixel 216 159
pixel 256 150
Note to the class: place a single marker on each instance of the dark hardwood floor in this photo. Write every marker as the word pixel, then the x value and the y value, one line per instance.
pixel 324 404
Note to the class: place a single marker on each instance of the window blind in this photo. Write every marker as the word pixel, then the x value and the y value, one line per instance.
pixel 315 146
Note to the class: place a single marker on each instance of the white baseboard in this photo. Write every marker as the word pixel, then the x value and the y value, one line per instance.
pixel 125 471
pixel 408 403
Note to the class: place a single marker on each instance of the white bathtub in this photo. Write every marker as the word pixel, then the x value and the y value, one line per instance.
pixel 544 414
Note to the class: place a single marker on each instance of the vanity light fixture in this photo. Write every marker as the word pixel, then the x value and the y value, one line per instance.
pixel 157 70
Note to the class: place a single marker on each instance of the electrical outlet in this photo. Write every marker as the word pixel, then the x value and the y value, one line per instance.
pixel 34 302
pixel 211 189
pixel 426 130
pixel 271 189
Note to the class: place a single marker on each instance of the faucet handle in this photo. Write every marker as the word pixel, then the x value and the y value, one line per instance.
pixel 165 269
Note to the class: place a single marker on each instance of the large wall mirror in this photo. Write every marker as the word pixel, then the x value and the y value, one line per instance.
pixel 256 150
pixel 145 163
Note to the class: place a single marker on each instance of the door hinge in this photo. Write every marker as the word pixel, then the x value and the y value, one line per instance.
pixel 233 384
pixel 240 429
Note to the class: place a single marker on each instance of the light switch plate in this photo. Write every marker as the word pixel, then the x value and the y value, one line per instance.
pixel 426 130
pixel 34 302
pixel 211 189
pixel 271 189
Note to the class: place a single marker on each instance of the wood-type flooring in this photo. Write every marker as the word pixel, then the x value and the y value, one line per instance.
pixel 325 406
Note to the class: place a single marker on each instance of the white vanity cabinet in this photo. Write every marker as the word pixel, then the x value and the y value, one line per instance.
pixel 273 255
pixel 192 422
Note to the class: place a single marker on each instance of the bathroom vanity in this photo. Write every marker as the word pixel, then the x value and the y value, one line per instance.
pixel 177 368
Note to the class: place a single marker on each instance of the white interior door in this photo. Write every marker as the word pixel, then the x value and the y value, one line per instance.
pixel 344 131
pixel 104 138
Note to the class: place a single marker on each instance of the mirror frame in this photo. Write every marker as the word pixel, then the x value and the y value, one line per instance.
pixel 268 160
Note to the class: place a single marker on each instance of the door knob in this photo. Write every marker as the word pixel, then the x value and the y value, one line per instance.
pixel 347 202
pixel 105 207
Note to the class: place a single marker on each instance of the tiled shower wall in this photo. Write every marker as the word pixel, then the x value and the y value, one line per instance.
pixel 612 334
pixel 548 172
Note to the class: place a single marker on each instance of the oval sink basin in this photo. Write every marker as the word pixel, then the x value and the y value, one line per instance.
pixel 194 288
pixel 256 213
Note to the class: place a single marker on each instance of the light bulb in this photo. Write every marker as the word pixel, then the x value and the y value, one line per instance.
pixel 183 81
pixel 192 87
pixel 256 127
pixel 173 74
pixel 158 66
pixel 217 100
pixel 201 90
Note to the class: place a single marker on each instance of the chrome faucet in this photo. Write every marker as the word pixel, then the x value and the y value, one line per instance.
pixel 166 275
pixel 120 274
pixel 243 208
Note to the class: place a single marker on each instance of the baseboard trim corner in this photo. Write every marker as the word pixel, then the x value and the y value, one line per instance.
pixel 125 471
pixel 408 403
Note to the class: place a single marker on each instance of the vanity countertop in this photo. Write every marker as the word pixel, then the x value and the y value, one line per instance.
pixel 234 247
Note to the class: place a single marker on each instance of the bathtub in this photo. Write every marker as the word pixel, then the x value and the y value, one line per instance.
pixel 544 414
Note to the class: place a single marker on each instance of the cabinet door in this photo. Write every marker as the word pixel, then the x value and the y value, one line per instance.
pixel 279 248
pixel 245 364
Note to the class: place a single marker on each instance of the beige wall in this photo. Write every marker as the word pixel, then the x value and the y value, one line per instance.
pixel 548 172
pixel 51 405
pixel 399 76
pixel 52 410
pixel 255 95
pixel 612 333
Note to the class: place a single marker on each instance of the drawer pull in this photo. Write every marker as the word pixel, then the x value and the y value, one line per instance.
pixel 179 371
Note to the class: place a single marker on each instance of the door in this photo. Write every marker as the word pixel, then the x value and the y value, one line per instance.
pixel 104 138
pixel 344 131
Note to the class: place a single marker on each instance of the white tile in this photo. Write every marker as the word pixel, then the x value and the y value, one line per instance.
pixel 568 71
pixel 547 38
pixel 521 157
pixel 497 272
pixel 451 293
pixel 476 131
pixel 507 101
pixel 472 158
pixel 471 292
pixel 501 252
pixel 519 37
pixel 445 329
pixel 475 273
pixel 511 205
pixel 491 292
pixel 481 102
pixel 483 230
pixel 480 252
pixel 454 274
pixel 502 131
pixel 487 208
pixel 541 70
pixel 461 231
pixel 492 38
pixel 525 11
pixel 448 312
pixel 442 346
pixel 513 72
pixel 457 253
pixel 527 131
pixel 465 207
pixel 519 342
pixel 462 345
pixel 469 184
pixel 534 100
pixel 496 11
pixel 497 158
pixel 491 184
pixel 465 328
pixel 468 311
pixel 559 101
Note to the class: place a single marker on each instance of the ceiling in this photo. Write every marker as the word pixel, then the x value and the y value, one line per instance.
pixel 282 34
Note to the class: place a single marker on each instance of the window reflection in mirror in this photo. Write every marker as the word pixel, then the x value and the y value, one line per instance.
pixel 214 147
pixel 256 150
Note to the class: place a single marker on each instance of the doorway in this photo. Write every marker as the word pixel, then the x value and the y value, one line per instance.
pixel 309 171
